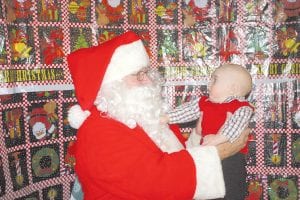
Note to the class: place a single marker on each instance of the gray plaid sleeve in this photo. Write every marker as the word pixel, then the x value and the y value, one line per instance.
pixel 237 123
pixel 186 112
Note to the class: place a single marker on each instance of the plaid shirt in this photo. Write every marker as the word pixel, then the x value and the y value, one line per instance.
pixel 190 111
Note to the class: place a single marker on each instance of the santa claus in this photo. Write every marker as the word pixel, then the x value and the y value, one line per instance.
pixel 41 127
pixel 122 151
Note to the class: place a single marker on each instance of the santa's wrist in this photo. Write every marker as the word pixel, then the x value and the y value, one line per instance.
pixel 164 119
pixel 167 118
pixel 225 150
pixel 221 152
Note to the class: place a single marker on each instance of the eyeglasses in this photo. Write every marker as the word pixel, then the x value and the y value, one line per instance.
pixel 149 73
pixel 143 74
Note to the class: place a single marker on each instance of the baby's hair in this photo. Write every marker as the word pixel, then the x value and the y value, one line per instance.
pixel 242 76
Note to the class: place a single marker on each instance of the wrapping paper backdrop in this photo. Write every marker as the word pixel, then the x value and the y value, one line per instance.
pixel 187 39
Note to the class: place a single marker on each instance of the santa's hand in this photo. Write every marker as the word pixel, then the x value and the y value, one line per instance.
pixel 212 140
pixel 228 149
pixel 198 125
pixel 164 119
pixel 208 139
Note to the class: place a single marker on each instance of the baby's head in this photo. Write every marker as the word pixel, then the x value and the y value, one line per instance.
pixel 229 80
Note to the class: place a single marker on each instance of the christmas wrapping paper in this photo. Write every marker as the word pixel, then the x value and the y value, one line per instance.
pixel 186 40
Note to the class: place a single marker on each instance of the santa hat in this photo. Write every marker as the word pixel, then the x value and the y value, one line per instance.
pixel 92 67
pixel 38 120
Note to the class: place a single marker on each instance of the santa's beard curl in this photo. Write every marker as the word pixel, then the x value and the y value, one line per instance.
pixel 140 105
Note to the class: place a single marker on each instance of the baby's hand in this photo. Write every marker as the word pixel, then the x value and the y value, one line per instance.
pixel 164 119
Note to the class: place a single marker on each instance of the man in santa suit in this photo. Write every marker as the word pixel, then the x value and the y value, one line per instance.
pixel 122 150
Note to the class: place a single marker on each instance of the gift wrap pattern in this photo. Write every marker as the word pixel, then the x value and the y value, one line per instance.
pixel 186 39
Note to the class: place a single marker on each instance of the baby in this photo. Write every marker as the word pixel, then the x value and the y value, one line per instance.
pixel 229 85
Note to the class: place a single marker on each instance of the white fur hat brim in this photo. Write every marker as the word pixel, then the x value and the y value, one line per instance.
pixel 127 59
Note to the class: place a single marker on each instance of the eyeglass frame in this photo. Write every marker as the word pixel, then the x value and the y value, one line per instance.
pixel 146 72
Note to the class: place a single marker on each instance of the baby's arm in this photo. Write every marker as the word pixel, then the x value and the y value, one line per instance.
pixel 186 112
pixel 237 123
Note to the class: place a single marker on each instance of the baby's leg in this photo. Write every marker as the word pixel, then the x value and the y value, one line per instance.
pixel 234 170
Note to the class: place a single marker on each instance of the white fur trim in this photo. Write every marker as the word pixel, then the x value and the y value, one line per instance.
pixel 126 59
pixel 76 116
pixel 193 140
pixel 209 174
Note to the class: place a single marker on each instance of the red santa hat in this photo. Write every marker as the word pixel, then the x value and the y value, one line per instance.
pixel 92 67
pixel 39 121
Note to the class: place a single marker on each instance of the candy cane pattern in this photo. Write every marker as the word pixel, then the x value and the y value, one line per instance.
pixel 276 158
pixel 19 176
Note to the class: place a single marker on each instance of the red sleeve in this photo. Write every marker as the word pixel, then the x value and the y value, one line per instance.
pixel 124 163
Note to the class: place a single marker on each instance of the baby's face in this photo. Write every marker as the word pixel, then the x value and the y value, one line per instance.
pixel 219 87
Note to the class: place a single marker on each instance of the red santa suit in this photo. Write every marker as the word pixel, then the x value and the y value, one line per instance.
pixel 114 161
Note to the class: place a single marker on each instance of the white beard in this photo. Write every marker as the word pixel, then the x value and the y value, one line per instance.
pixel 140 105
